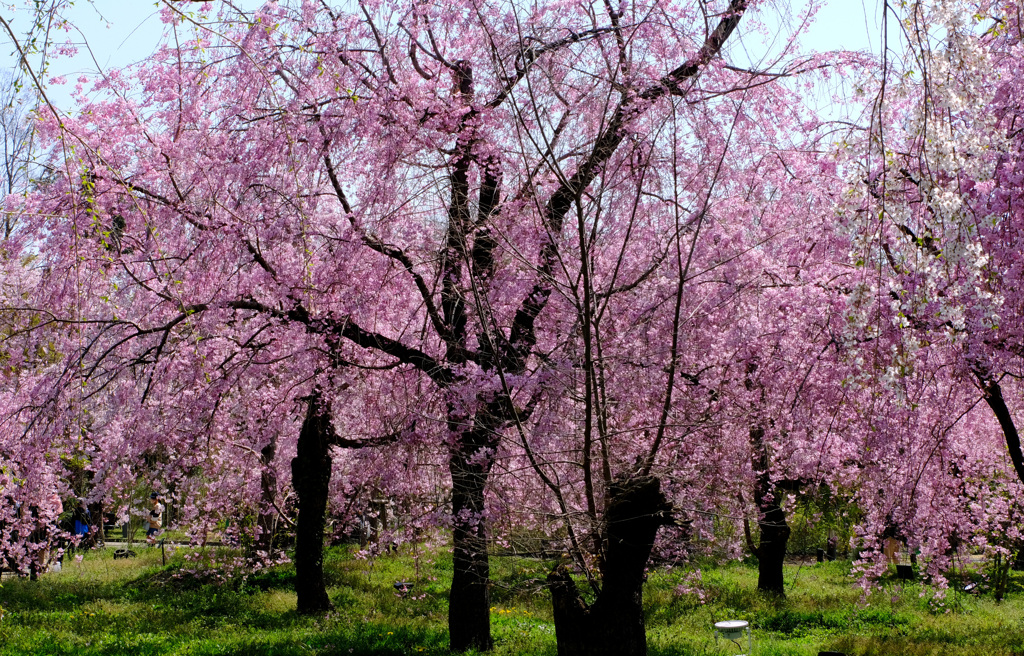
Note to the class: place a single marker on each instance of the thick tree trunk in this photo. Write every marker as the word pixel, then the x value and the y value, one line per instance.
pixel 1002 567
pixel 98 535
pixel 614 624
pixel 266 522
pixel 469 603
pixel 771 552
pixel 470 460
pixel 311 473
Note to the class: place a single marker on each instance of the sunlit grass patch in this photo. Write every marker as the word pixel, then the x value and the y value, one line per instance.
pixel 99 606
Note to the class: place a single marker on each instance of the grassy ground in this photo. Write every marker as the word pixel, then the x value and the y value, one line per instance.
pixel 139 607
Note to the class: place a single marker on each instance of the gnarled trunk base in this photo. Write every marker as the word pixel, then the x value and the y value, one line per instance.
pixel 266 522
pixel 469 602
pixel 614 624
pixel 771 552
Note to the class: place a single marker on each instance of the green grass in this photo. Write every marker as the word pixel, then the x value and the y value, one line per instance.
pixel 825 610
pixel 105 607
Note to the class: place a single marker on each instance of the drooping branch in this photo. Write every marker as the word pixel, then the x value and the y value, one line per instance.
pixel 672 82
pixel 376 441
pixel 994 397
pixel 454 251
pixel 343 327
pixel 390 251
pixel 522 335
pixel 528 56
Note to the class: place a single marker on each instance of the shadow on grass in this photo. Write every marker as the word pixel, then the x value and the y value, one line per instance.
pixel 360 640
pixel 103 607
pixel 49 595
pixel 791 621
pixel 981 642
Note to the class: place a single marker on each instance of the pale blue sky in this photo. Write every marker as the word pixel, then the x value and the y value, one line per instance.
pixel 121 32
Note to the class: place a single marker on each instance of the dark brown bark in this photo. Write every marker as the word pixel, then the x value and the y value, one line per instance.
pixel 1002 575
pixel 614 623
pixel 97 533
pixel 469 602
pixel 469 606
pixel 771 549
pixel 267 520
pixel 995 400
pixel 311 474
pixel 469 463
pixel 522 335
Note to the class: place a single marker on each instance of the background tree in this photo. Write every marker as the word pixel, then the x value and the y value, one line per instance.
pixel 570 238
pixel 268 231
pixel 936 204
pixel 16 140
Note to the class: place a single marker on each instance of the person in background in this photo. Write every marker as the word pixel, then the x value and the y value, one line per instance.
pixel 155 518
pixel 82 520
